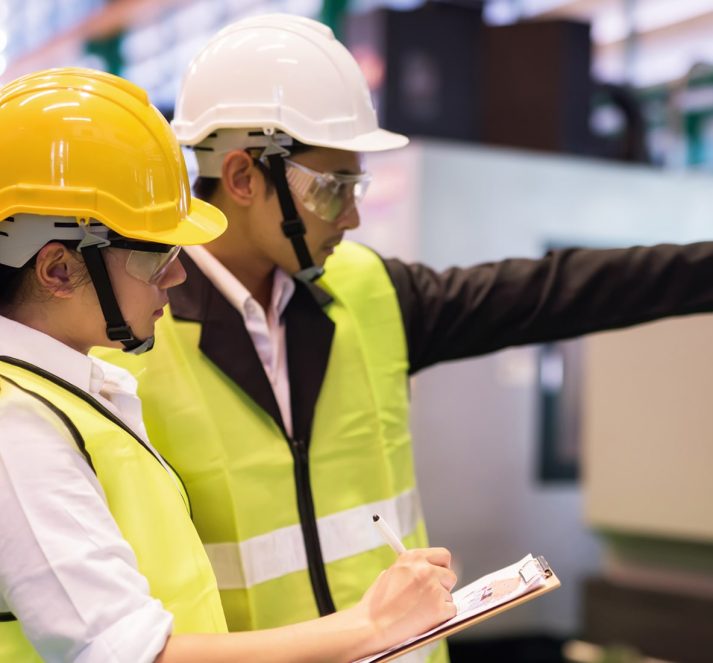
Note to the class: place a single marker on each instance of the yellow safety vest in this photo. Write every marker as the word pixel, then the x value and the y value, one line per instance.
pixel 238 467
pixel 147 502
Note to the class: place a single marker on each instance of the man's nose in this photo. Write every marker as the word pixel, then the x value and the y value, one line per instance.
pixel 349 219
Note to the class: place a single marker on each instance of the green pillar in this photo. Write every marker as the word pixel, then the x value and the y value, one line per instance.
pixel 332 15
pixel 108 48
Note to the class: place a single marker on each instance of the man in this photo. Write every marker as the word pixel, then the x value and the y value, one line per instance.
pixel 299 378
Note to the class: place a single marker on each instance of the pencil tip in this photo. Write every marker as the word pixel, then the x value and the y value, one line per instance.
pixel 375 517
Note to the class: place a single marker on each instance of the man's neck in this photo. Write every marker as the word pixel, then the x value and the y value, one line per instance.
pixel 256 277
pixel 235 251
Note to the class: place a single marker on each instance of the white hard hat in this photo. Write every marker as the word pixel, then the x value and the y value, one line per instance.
pixel 279 74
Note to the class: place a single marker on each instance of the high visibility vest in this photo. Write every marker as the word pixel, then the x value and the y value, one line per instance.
pixel 147 501
pixel 238 467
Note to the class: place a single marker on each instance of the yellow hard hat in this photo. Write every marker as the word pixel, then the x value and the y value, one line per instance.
pixel 86 144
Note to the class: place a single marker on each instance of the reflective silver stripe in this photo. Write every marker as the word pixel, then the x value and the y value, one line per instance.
pixel 342 534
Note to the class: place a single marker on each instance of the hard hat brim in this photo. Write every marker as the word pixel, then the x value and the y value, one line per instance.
pixel 375 141
pixel 379 140
pixel 203 224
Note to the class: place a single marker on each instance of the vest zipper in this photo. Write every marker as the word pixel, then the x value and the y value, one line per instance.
pixel 308 523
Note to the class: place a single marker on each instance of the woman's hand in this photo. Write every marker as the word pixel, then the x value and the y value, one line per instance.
pixel 410 597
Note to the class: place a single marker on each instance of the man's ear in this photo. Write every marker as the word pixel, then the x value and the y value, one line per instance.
pixel 56 269
pixel 239 177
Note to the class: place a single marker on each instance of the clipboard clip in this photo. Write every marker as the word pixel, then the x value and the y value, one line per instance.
pixel 537 566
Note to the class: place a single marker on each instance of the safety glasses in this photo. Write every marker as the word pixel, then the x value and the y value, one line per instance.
pixel 147 261
pixel 328 195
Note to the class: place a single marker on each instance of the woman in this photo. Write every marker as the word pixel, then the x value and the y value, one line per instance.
pixel 99 560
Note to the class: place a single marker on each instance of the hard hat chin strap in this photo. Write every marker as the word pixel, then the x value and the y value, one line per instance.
pixel 292 226
pixel 116 327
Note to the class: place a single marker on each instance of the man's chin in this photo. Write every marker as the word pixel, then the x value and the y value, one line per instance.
pixel 317 260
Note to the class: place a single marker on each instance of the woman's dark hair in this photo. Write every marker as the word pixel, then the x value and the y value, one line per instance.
pixel 205 187
pixel 11 281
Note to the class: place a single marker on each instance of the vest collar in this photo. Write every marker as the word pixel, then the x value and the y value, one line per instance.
pixel 188 300
pixel 225 341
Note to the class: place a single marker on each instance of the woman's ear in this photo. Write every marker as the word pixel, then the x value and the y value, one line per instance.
pixel 56 270
pixel 239 177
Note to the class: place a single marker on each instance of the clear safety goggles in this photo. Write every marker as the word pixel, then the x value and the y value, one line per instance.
pixel 328 195
pixel 147 261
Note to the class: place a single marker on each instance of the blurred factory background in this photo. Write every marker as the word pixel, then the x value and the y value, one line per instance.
pixel 629 79
pixel 536 124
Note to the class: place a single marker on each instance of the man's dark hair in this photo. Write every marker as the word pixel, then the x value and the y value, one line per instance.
pixel 205 187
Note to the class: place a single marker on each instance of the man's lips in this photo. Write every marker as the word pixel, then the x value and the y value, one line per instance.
pixel 159 311
pixel 330 244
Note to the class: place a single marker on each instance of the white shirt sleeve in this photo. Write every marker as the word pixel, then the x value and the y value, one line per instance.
pixel 66 572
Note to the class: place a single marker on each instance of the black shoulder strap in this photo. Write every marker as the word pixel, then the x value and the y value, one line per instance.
pixel 73 430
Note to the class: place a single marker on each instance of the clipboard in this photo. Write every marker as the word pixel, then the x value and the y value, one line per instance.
pixel 539 565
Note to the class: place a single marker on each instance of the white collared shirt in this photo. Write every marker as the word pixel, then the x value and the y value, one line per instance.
pixel 267 331
pixel 66 571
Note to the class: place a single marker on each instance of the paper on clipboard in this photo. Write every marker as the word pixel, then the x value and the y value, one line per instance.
pixel 482 596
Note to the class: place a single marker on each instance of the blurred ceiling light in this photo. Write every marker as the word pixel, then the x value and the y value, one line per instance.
pixel 612 24
pixel 669 35
pixel 303 7
pixel 610 18
pixel 534 7
pixel 500 12
pixel 201 16
pixel 654 14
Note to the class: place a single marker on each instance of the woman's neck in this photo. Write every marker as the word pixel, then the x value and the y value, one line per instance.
pixel 62 326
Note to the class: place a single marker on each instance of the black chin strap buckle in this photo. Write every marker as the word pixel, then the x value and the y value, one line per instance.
pixel 119 333
pixel 138 347
pixel 309 274
pixel 293 228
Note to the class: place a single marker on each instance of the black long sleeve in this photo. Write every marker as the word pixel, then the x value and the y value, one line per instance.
pixel 466 312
